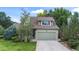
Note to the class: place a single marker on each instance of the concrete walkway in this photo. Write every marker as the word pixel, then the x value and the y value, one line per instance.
pixel 50 45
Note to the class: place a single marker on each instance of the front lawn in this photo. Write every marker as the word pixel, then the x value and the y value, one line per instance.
pixel 6 45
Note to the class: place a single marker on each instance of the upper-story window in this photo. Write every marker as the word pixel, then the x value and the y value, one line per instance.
pixel 45 22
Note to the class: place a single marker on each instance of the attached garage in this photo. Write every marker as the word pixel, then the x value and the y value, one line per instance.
pixel 46 34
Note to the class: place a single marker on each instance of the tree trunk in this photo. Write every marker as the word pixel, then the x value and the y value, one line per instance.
pixel 21 37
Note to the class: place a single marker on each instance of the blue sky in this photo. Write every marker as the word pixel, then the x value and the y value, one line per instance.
pixel 15 12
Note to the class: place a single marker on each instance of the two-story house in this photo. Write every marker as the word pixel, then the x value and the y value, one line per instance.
pixel 44 28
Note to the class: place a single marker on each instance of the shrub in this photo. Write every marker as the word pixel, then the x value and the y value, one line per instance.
pixel 77 48
pixel 73 43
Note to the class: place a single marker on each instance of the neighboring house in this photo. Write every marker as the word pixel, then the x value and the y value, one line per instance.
pixel 44 28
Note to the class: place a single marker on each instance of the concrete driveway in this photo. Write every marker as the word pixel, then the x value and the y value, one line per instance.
pixel 50 45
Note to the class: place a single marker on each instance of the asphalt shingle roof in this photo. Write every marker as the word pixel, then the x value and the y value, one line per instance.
pixel 35 20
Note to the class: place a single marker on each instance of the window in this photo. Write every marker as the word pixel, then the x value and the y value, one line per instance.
pixel 45 22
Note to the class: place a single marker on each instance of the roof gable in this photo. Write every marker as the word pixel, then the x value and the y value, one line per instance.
pixel 35 20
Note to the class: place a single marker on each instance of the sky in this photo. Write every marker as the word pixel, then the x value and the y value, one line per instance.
pixel 15 12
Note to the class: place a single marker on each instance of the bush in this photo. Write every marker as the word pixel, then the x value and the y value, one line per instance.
pixel 15 38
pixel 73 43
pixel 77 48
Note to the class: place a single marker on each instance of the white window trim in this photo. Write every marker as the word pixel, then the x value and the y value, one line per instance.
pixel 50 23
pixel 46 25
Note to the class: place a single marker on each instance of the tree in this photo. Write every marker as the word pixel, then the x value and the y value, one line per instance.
pixel 64 32
pixel 72 28
pixel 25 27
pixel 70 32
pixel 5 21
pixel 40 14
pixel 10 32
pixel 74 24
pixel 50 13
pixel 76 14
pixel 45 13
pixel 59 14
pixel 1 30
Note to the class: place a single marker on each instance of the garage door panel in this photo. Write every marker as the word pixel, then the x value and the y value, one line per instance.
pixel 47 35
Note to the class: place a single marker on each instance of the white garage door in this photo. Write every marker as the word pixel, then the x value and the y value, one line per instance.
pixel 46 35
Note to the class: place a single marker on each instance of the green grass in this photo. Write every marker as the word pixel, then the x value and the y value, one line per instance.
pixel 6 45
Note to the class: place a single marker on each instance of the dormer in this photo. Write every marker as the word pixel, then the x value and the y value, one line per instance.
pixel 45 21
